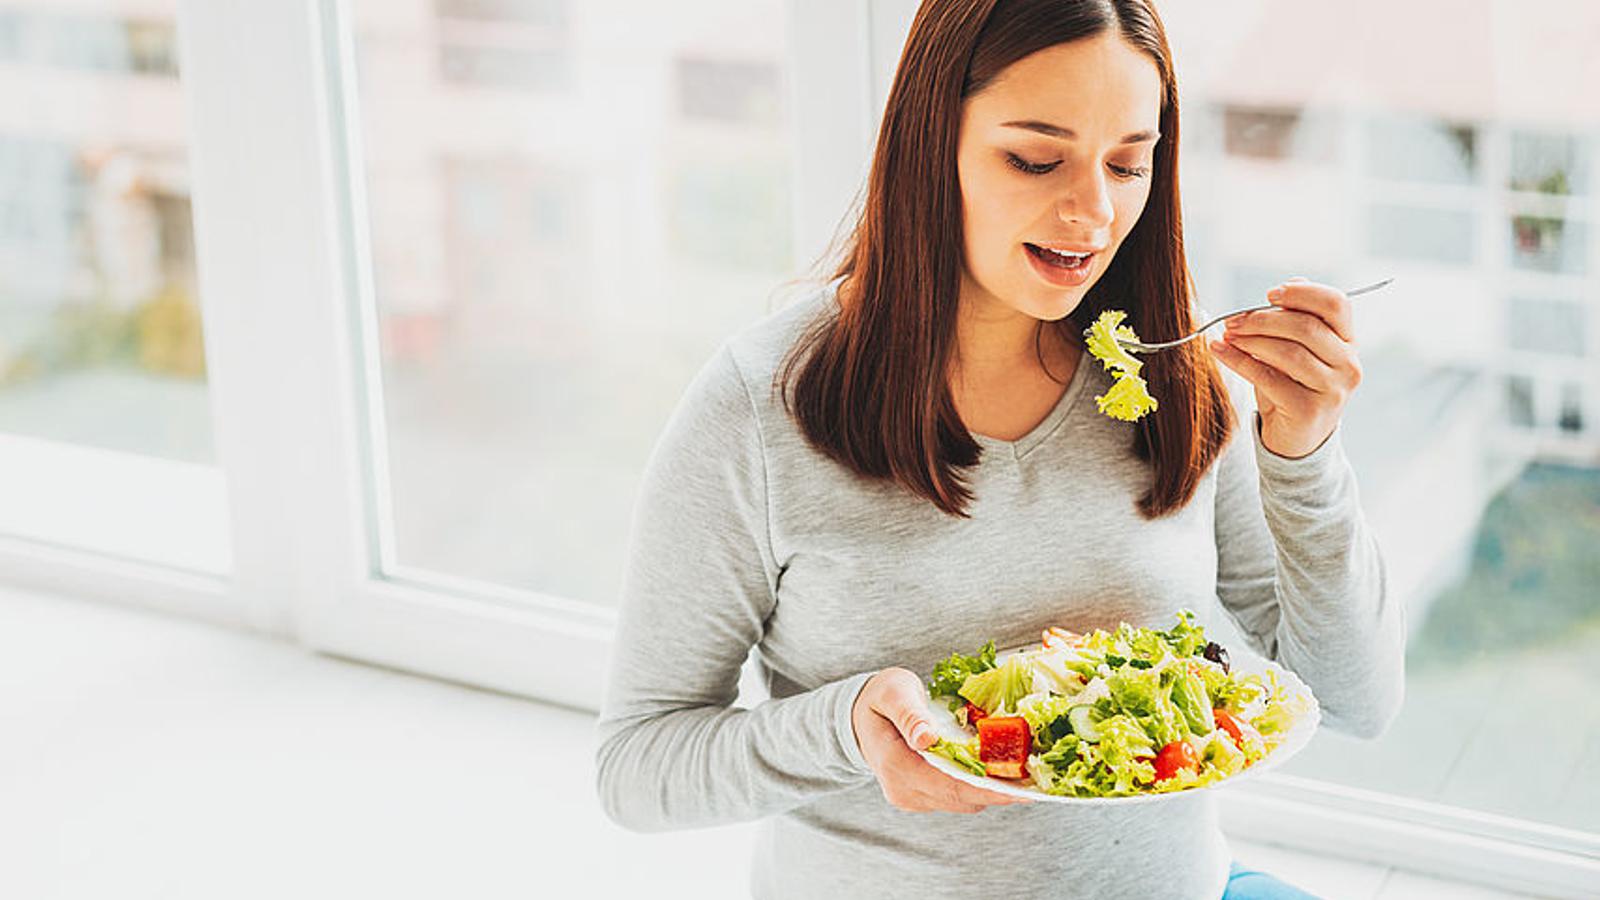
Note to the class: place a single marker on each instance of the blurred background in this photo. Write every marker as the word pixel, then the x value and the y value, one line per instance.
pixel 550 212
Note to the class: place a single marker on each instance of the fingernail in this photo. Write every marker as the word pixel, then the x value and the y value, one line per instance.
pixel 1218 347
pixel 1275 294
pixel 918 734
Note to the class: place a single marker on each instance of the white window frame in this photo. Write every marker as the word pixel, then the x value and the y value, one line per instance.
pixel 286 294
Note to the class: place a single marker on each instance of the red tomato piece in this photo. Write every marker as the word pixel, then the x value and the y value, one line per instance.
pixel 974 713
pixel 1228 723
pixel 1174 756
pixel 1003 745
pixel 1238 729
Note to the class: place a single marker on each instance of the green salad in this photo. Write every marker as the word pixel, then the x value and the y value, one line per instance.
pixel 1129 397
pixel 1105 714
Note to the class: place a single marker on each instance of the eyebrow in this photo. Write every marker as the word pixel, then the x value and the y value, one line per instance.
pixel 1138 137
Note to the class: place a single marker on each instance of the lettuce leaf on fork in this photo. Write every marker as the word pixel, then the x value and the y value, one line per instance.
pixel 1129 397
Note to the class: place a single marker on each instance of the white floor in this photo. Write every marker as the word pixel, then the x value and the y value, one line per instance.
pixel 148 757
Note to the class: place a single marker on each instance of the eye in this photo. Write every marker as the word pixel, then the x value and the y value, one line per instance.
pixel 1127 173
pixel 1017 162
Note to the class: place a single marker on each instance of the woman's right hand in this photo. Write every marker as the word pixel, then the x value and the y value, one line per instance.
pixel 890 719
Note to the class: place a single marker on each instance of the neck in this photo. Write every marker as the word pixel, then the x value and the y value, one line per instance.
pixel 995 341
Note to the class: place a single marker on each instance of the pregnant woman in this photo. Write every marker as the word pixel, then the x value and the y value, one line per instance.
pixel 909 462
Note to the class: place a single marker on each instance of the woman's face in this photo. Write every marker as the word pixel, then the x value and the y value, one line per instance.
pixel 1055 152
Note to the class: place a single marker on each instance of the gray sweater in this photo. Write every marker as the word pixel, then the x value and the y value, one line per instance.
pixel 744 535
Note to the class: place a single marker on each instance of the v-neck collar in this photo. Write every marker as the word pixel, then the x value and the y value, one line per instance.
pixel 1022 446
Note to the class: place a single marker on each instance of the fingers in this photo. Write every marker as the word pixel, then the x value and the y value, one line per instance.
pixel 923 788
pixel 1301 327
pixel 908 781
pixel 1290 358
pixel 1278 388
pixel 1326 303
pixel 973 794
pixel 903 701
pixel 1302 338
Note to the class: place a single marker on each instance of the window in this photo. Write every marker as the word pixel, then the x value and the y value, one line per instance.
pixel 1248 286
pixel 729 91
pixel 1548 244
pixel 1555 164
pixel 525 12
pixel 1465 430
pixel 516 44
pixel 103 389
pixel 1421 149
pixel 1571 415
pixel 1425 235
pixel 1520 409
pixel 94 41
pixel 551 268
pixel 1547 326
pixel 1257 132
pixel 1281 134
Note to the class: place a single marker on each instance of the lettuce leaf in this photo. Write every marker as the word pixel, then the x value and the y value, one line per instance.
pixel 1189 695
pixel 1146 696
pixel 949 675
pixel 1186 637
pixel 1127 399
pixel 1043 711
pixel 998 690
pixel 1101 339
pixel 1119 763
pixel 962 754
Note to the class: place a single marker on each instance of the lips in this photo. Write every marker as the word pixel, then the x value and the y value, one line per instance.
pixel 1061 267
pixel 1066 253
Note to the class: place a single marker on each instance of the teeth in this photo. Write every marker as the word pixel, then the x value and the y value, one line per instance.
pixel 1072 257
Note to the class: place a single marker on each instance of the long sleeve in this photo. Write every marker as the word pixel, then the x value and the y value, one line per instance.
pixel 699 583
pixel 1301 574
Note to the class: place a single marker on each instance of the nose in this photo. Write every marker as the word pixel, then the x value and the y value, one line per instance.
pixel 1087 201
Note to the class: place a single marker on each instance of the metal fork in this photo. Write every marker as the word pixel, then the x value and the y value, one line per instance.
pixel 1138 347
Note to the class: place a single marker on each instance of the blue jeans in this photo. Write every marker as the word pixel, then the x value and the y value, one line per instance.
pixel 1248 884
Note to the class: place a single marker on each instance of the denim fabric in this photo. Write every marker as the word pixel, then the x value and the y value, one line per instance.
pixel 1248 884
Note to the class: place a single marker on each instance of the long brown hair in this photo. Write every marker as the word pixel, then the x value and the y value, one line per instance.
pixel 868 387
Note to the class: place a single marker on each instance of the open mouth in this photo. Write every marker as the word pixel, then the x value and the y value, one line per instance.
pixel 1069 263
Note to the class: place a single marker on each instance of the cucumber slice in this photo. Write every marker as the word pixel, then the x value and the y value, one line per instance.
pixel 1082 725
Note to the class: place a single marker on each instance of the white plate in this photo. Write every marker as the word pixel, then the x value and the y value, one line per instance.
pixel 944 723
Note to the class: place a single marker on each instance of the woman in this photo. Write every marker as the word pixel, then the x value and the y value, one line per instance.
pixel 908 464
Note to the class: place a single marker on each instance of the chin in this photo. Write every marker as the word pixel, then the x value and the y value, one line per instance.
pixel 1058 303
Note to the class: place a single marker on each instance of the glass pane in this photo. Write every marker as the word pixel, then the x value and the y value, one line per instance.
pixel 1571 416
pixel 1547 326
pixel 100 332
pixel 1424 235
pixel 556 252
pixel 1519 401
pixel 1477 362
pixel 100 337
pixel 1545 244
pixel 1417 148
pixel 1269 133
pixel 1550 163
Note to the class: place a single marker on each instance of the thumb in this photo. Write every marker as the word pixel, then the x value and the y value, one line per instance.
pixel 905 704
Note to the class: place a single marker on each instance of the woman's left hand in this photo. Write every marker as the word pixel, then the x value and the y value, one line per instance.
pixel 1301 357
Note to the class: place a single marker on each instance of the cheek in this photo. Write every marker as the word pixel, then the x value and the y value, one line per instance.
pixel 989 212
pixel 1128 208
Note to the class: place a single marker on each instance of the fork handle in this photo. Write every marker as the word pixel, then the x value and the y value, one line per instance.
pixel 1355 292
